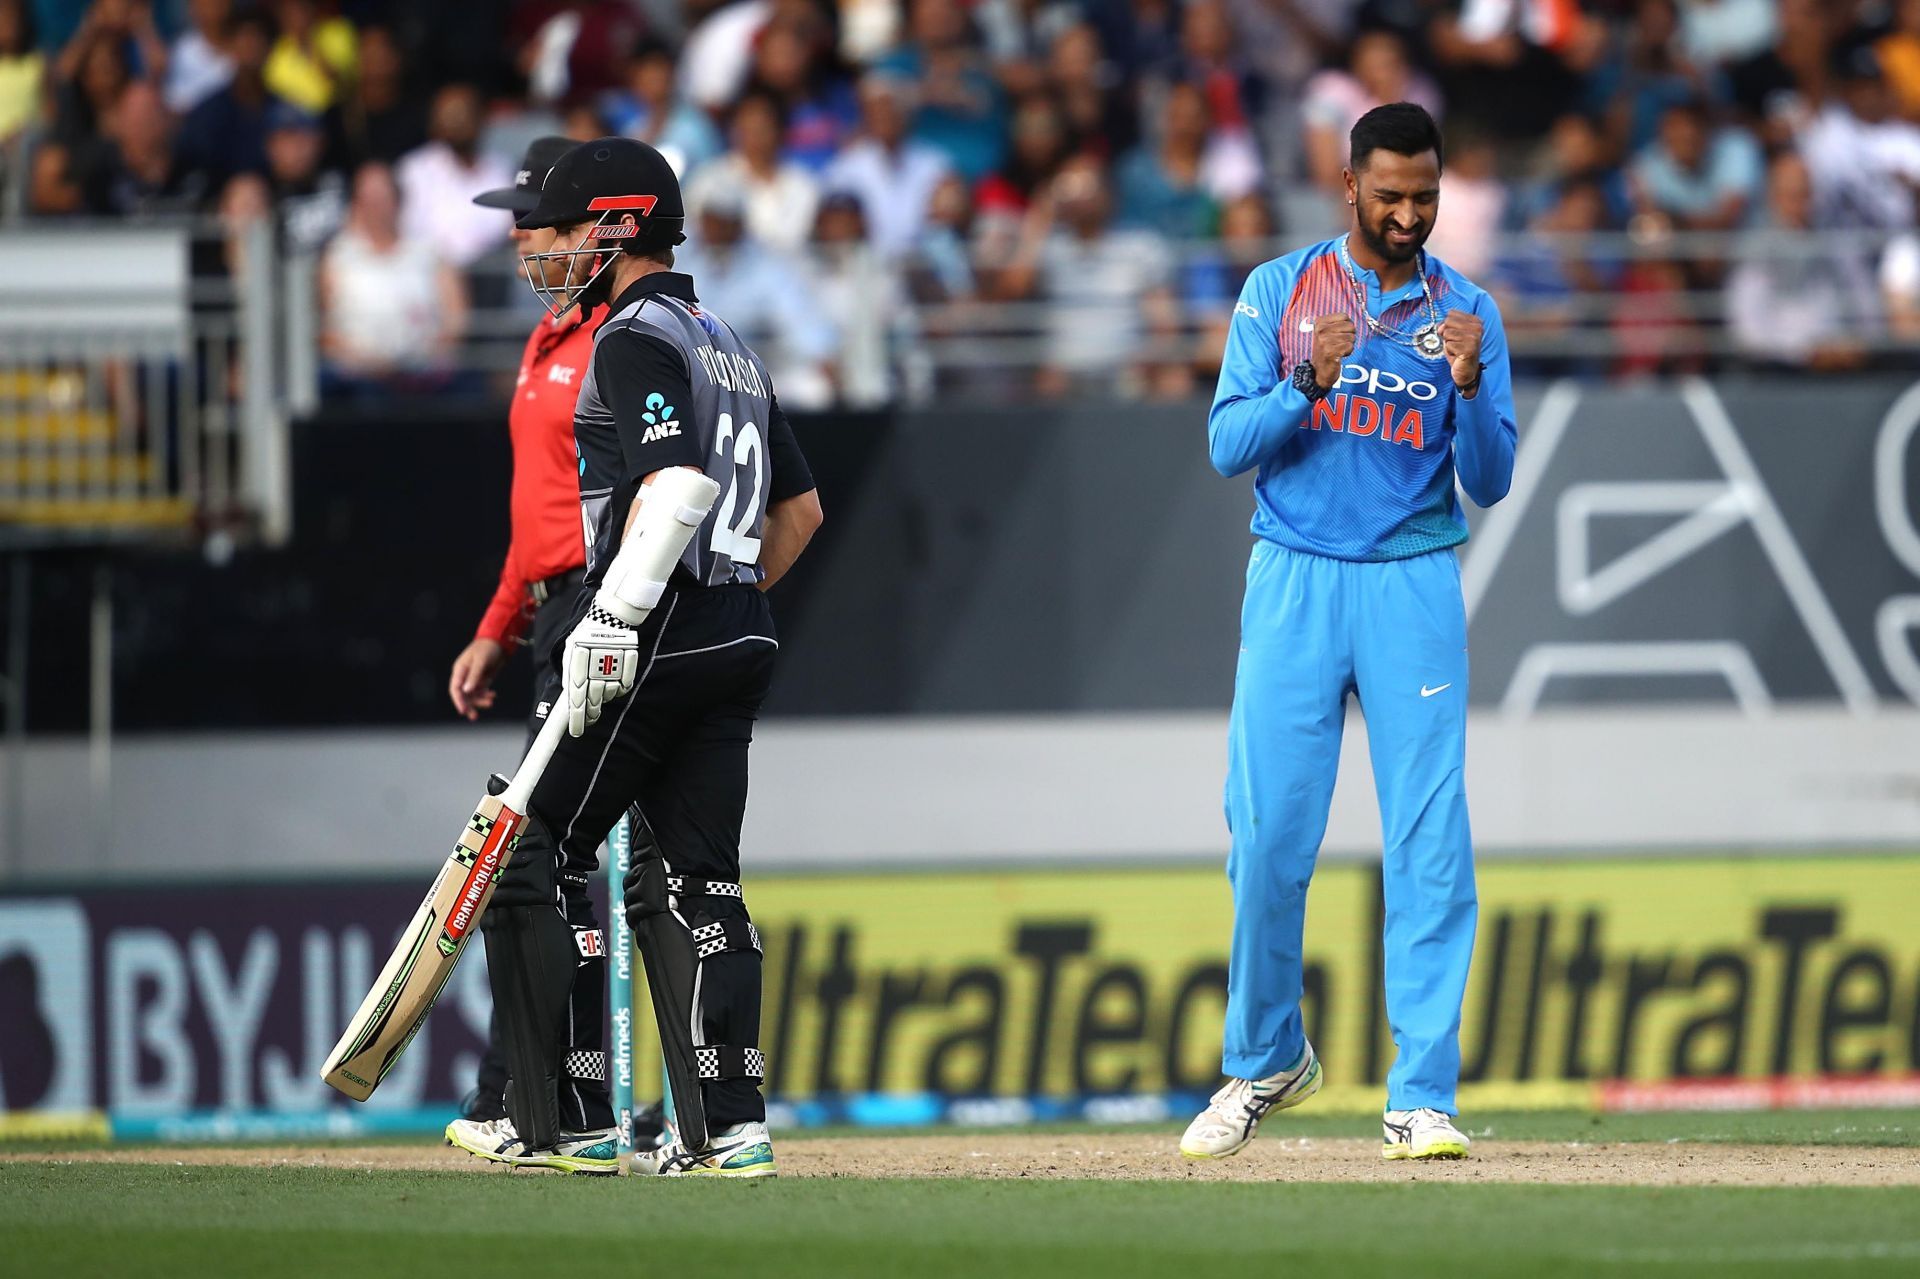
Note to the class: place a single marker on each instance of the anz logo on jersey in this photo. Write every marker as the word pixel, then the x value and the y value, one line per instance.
pixel 1375 413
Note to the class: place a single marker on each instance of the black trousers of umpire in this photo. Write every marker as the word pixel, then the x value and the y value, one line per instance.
pixel 551 622
pixel 675 747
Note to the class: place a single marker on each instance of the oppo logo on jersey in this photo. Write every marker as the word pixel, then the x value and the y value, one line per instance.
pixel 1374 414
pixel 1379 382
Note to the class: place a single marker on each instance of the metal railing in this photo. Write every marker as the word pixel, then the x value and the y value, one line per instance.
pixel 147 378
pixel 1593 305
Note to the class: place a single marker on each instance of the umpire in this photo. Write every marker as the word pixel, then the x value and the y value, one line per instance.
pixel 661 678
pixel 546 556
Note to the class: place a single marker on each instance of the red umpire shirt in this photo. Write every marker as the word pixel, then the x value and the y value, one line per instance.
pixel 547 539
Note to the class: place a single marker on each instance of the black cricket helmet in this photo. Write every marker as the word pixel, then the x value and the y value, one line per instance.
pixel 631 195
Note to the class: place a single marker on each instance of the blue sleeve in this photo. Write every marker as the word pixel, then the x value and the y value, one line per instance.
pixel 1483 427
pixel 1255 408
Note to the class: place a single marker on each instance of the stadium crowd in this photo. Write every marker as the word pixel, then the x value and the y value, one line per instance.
pixel 1090 178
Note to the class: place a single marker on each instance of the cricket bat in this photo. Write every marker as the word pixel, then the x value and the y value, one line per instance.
pixel 400 1000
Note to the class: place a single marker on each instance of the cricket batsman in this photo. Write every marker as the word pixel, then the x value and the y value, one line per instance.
pixel 547 554
pixel 1362 379
pixel 660 672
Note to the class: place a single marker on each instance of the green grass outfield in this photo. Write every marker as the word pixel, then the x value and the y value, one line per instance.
pixel 192 1221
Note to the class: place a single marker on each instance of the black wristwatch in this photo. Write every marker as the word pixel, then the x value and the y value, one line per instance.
pixel 1307 383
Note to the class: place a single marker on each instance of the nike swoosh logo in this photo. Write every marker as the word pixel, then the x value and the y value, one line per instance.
pixel 1429 692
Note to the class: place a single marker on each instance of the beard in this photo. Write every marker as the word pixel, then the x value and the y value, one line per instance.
pixel 1374 235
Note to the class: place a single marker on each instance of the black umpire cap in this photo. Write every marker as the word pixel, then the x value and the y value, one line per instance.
pixel 612 175
pixel 525 191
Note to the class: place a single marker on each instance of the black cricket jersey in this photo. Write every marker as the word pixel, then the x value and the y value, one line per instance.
pixel 671 384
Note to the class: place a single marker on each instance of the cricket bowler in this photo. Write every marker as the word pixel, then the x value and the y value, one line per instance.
pixel 1361 379
pixel 660 676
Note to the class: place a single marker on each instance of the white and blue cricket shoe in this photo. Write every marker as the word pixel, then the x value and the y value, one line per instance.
pixel 1233 1116
pixel 592 1153
pixel 744 1150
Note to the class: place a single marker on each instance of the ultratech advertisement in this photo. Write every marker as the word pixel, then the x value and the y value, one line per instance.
pixel 1114 982
pixel 891 997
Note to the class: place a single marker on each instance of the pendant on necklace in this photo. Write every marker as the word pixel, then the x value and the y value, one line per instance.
pixel 1427 341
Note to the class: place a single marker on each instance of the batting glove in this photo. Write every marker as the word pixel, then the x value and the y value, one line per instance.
pixel 602 663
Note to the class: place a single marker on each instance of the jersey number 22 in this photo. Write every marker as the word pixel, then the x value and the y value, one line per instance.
pixel 730 525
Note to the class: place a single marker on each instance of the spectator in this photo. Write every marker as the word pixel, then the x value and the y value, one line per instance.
pixel 1865 161
pixel 1575 150
pixel 1289 41
pixel 583 123
pixel 718 53
pixel 940 268
pixel 1641 78
pixel 1549 274
pixel 861 295
pixel 1475 203
pixel 313 59
pixel 1037 149
pixel 778 197
pixel 1176 187
pixel 1511 66
pixel 1899 52
pixel 1696 177
pixel 198 63
pixel 311 198
pixel 1794 304
pixel 127 26
pixel 1776 87
pixel 821 110
pixel 132 172
pixel 1100 114
pixel 1212 57
pixel 573 50
pixel 958 108
pixel 1900 287
pixel 392 310
pixel 764 298
pixel 86 96
pixel 1377 72
pixel 22 70
pixel 379 117
pixel 439 180
pixel 227 133
pixel 1016 34
pixel 1105 287
pixel 1718 32
pixel 1211 280
pixel 651 109
pixel 892 175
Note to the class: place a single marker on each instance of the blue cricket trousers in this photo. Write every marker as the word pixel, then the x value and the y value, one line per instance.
pixel 1312 630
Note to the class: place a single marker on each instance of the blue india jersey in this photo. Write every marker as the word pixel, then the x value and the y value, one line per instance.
pixel 1368 472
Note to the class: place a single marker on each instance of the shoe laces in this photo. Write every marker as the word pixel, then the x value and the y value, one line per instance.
pixel 1236 1095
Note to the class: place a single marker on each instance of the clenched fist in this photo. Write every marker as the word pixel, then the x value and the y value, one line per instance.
pixel 1333 339
pixel 1460 335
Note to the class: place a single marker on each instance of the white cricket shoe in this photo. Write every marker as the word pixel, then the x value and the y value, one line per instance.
pixel 744 1150
pixel 1231 1118
pixel 593 1153
pixel 1422 1134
